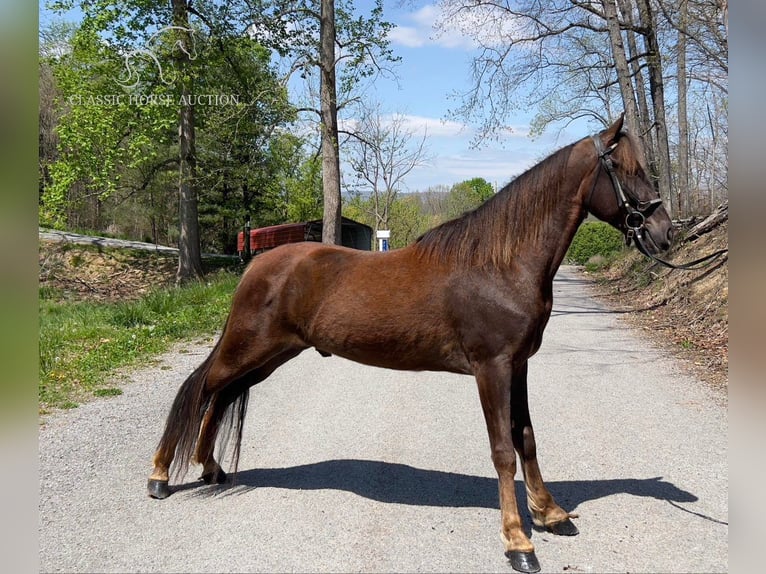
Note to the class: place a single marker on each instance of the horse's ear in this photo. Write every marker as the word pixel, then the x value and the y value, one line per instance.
pixel 611 134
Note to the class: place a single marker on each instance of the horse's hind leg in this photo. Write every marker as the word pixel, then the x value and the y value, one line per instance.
pixel 195 407
pixel 181 427
pixel 212 473
pixel 545 512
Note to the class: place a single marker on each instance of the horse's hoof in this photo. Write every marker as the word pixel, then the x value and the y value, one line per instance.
pixel 564 528
pixel 218 477
pixel 158 488
pixel 523 561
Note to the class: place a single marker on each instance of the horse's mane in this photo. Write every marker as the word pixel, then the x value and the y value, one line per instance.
pixel 492 233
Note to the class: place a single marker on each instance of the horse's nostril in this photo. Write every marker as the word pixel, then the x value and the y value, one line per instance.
pixel 671 235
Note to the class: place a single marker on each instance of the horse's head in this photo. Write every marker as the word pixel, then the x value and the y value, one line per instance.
pixel 623 195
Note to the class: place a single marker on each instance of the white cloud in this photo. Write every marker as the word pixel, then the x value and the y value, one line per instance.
pixel 483 25
pixel 423 31
pixel 498 167
pixel 407 36
pixel 418 126
pixel 434 127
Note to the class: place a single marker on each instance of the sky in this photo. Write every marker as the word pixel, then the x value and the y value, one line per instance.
pixel 433 66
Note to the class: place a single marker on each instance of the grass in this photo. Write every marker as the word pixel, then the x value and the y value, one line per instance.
pixel 82 343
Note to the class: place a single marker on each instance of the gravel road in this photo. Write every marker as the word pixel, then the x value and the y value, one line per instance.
pixel 347 468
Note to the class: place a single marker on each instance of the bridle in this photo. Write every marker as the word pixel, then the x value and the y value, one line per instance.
pixel 637 211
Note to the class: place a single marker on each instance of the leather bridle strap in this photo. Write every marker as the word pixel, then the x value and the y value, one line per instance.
pixel 700 263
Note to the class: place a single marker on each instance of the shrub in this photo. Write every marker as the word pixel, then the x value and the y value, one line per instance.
pixel 594 238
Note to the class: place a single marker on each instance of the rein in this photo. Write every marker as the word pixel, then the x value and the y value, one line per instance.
pixel 635 217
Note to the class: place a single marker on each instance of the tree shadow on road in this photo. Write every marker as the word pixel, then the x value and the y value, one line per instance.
pixel 403 484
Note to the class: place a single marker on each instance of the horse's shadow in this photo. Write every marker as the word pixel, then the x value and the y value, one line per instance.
pixel 403 484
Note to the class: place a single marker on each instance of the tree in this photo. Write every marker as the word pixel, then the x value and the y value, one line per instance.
pixel 245 155
pixel 683 121
pixel 382 152
pixel 104 140
pixel 344 49
pixel 701 52
pixel 189 254
pixel 570 59
pixel 621 67
pixel 328 105
pixel 657 91
pixel 160 74
pixel 468 195
pixel 293 192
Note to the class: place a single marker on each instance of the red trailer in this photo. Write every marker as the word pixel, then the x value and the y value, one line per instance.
pixel 269 237
pixel 353 234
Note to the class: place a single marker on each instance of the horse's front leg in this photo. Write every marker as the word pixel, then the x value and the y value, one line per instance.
pixel 494 382
pixel 545 512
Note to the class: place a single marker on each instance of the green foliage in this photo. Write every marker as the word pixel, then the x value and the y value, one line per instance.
pixel 358 208
pixel 408 217
pixel 81 344
pixel 468 195
pixel 95 119
pixel 408 221
pixel 594 238
pixel 118 95
pixel 304 199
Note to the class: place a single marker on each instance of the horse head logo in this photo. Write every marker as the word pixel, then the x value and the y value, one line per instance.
pixel 132 76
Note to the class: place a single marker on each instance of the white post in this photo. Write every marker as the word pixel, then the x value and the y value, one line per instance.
pixel 383 237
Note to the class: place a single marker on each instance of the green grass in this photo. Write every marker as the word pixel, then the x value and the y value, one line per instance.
pixel 81 344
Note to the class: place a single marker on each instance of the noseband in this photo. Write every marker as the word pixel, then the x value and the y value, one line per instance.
pixel 636 211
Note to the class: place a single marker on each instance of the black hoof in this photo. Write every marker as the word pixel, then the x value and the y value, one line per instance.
pixel 563 528
pixel 218 477
pixel 523 561
pixel 158 488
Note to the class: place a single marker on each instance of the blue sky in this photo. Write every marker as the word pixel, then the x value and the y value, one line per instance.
pixel 432 67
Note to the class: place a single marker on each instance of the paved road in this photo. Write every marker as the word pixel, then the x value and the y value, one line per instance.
pixel 348 468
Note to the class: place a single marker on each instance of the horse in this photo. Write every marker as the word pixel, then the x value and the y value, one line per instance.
pixel 472 296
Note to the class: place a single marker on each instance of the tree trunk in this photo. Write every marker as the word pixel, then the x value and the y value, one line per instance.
pixel 644 117
pixel 719 215
pixel 684 193
pixel 621 65
pixel 189 255
pixel 656 87
pixel 331 222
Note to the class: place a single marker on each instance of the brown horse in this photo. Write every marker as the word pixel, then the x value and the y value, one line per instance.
pixel 470 296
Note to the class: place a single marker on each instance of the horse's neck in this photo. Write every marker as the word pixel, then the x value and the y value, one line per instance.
pixel 545 255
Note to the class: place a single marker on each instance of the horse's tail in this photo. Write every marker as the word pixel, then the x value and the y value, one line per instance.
pixel 183 424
